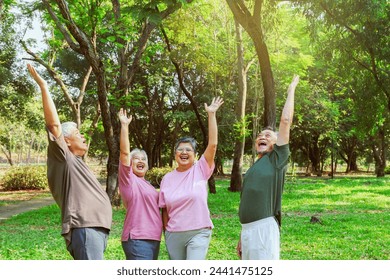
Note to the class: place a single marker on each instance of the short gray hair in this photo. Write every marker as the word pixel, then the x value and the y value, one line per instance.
pixel 189 140
pixel 67 128
pixel 139 151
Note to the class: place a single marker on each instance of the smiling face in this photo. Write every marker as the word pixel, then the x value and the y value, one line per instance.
pixel 76 142
pixel 139 163
pixel 265 142
pixel 184 156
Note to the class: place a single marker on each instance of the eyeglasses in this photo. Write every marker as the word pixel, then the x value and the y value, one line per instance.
pixel 180 150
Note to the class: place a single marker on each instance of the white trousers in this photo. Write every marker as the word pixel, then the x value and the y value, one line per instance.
pixel 260 240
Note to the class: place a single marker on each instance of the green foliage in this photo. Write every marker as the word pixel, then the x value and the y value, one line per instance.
pixel 241 127
pixel 155 175
pixel 387 170
pixel 25 178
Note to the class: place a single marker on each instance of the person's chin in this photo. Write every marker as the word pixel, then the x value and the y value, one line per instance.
pixel 184 164
pixel 84 150
pixel 140 174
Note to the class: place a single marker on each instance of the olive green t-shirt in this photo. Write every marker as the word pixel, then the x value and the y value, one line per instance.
pixel 75 189
pixel 261 194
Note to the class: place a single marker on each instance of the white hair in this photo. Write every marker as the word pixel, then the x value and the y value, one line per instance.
pixel 67 128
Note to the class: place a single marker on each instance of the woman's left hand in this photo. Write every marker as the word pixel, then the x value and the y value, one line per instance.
pixel 214 106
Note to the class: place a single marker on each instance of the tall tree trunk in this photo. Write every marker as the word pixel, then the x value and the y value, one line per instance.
pixel 8 155
pixel 236 175
pixel 314 155
pixel 379 151
pixel 252 25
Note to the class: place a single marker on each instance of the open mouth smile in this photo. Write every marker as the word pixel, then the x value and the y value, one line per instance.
pixel 140 166
pixel 262 143
pixel 184 157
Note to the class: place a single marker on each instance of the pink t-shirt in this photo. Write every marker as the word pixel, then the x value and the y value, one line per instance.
pixel 184 195
pixel 143 219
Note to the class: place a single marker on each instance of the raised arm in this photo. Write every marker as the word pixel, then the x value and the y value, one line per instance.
pixel 49 109
pixel 124 137
pixel 211 148
pixel 287 114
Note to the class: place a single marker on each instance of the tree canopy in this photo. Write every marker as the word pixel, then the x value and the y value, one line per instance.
pixel 162 59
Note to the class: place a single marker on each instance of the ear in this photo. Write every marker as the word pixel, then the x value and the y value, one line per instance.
pixel 67 141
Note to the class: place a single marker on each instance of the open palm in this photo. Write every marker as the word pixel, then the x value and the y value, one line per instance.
pixel 123 117
pixel 214 106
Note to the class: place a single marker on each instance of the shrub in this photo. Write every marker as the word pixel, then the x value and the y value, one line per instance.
pixel 155 175
pixel 387 170
pixel 25 178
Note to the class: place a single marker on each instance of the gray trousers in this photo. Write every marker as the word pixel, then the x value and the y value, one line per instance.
pixel 188 245
pixel 88 243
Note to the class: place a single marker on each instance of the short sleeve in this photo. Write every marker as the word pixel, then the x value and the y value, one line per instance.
pixel 280 156
pixel 204 167
pixel 57 148
pixel 126 176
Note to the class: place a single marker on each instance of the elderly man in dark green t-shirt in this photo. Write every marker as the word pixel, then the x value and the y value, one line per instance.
pixel 86 211
pixel 260 205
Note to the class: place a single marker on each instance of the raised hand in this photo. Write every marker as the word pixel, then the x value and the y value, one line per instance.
pixel 123 117
pixel 34 74
pixel 214 106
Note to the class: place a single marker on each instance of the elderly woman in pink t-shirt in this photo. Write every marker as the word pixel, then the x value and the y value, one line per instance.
pixel 183 195
pixel 142 228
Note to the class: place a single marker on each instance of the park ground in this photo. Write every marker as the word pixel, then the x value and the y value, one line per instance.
pixel 351 222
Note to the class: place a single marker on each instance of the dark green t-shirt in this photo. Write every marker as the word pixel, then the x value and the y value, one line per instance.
pixel 76 190
pixel 261 194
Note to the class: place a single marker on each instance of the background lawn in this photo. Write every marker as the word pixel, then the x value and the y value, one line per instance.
pixel 354 214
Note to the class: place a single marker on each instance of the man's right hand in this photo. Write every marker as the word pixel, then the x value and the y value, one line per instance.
pixel 238 249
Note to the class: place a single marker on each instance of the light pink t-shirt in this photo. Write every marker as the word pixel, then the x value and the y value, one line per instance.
pixel 184 195
pixel 143 219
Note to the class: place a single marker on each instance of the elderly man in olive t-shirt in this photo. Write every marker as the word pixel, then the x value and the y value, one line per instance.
pixel 260 204
pixel 86 211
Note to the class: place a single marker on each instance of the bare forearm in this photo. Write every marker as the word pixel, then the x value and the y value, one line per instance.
pixel 288 109
pixel 212 138
pixel 213 129
pixel 211 110
pixel 50 112
pixel 125 145
pixel 49 109
pixel 287 114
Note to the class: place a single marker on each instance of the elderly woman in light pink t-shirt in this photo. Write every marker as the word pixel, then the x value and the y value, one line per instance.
pixel 183 195
pixel 142 228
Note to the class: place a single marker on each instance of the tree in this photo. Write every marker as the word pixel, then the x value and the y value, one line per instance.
pixel 75 105
pixel 242 69
pixel 202 64
pixel 252 23
pixel 108 22
pixel 16 91
pixel 359 31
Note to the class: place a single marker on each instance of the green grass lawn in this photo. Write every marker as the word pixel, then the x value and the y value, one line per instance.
pixel 355 215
